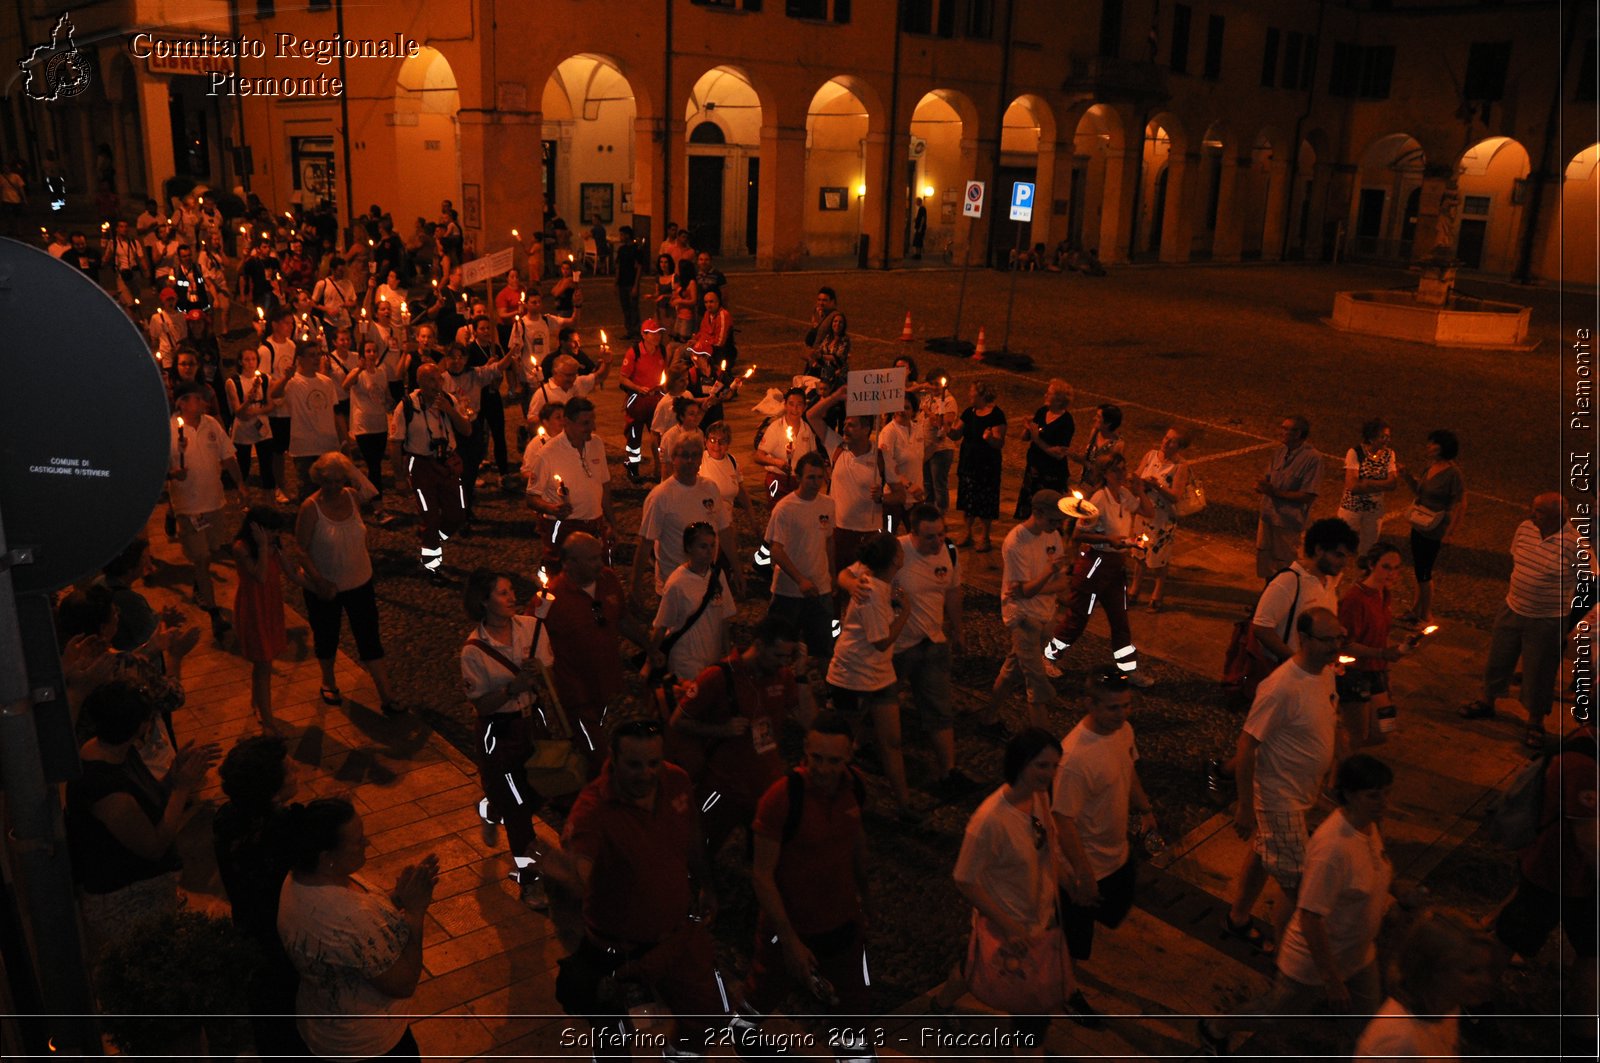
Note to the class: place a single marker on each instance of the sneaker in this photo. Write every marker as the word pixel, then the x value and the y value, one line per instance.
pixel 534 895
pixel 1142 680
pixel 281 498
pixel 997 731
pixel 483 813
pixel 1084 1013
pixel 1052 669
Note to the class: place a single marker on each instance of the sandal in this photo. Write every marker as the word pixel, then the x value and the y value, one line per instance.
pixel 331 696
pixel 1533 738
pixel 1250 934
pixel 1476 710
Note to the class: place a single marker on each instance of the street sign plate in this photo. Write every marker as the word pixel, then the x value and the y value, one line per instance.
pixel 1022 201
pixel 972 203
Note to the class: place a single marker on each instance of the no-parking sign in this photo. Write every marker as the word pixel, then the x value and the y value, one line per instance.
pixel 972 203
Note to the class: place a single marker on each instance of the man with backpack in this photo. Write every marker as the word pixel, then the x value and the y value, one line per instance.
pixel 728 722
pixel 810 879
pixel 1312 582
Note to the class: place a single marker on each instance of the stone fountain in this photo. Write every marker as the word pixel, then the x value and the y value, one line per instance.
pixel 1433 312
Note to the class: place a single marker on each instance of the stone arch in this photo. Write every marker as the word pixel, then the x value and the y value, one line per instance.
pixel 1162 176
pixel 427 147
pixel 723 181
pixel 1261 191
pixel 1570 254
pixel 943 157
pixel 1028 135
pixel 589 145
pixel 1385 205
pixel 1491 179
pixel 1098 139
pixel 839 180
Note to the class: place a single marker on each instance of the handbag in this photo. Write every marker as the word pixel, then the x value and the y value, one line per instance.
pixel 1424 519
pixel 1028 977
pixel 1193 499
pixel 555 767
pixel 1031 977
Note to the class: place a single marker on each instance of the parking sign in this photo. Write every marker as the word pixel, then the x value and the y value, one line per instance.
pixel 972 203
pixel 1022 201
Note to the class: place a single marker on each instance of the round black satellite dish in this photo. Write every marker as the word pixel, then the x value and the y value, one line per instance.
pixel 85 436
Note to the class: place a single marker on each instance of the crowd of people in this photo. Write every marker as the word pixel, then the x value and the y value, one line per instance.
pixel 627 692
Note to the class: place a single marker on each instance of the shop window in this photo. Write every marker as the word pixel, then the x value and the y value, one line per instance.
pixel 1214 27
pixel 1181 15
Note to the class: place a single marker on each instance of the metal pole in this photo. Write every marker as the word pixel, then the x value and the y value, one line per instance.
pixel 1011 294
pixel 344 122
pixel 966 266
pixel 35 840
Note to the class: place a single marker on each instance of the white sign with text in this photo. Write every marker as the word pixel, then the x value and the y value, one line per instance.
pixel 876 391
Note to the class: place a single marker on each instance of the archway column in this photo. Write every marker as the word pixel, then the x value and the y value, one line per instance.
pixel 1272 229
pixel 1063 155
pixel 1177 219
pixel 1228 243
pixel 780 229
pixel 500 154
pixel 1116 203
pixel 156 114
pixel 977 164
pixel 648 137
pixel 875 157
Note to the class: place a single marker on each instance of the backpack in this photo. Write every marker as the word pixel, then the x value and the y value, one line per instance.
pixel 1243 665
pixel 797 800
pixel 1514 817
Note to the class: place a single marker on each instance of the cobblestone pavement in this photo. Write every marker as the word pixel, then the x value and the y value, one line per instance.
pixel 1224 351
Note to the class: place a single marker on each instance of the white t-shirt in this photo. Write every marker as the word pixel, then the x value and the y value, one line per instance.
pixel 804 530
pixel 1272 609
pixel 1117 514
pixel 1346 881
pixel 1024 558
pixel 584 476
pixel 530 342
pixel 674 436
pixel 168 329
pixel 205 447
pixel 313 431
pixel 705 643
pixel 339 940
pixel 1293 718
pixel 855 477
pixel 857 664
pixel 1011 858
pixel 775 440
pixel 530 453
pixel 923 582
pixel 242 392
pixel 482 674
pixel 936 412
pixel 670 507
pixel 550 391
pixel 1394 1035
pixel 1092 788
pixel 665 419
pixel 902 453
pixel 369 402
pixel 276 358
pixel 467 387
pixel 724 472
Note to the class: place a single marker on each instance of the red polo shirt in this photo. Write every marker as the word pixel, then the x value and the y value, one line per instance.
pixel 745 765
pixel 639 890
pixel 586 641
pixel 816 873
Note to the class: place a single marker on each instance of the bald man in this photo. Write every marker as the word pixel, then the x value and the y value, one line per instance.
pixel 1552 586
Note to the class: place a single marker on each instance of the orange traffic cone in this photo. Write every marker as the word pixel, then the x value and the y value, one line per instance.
pixel 978 350
pixel 905 330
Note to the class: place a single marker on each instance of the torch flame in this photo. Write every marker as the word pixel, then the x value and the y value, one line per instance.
pixel 515 235
pixel 180 420
pixel 261 313
pixel 541 431
pixel 663 378
pixel 1078 495
pixel 723 368
pixel 1346 659
pixel 1430 629
pixel 603 340
pixel 748 373
pixel 544 577
pixel 789 432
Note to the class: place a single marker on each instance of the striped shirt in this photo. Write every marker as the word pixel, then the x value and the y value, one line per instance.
pixel 1544 571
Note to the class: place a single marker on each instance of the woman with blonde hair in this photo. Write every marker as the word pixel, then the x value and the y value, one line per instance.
pixel 330 530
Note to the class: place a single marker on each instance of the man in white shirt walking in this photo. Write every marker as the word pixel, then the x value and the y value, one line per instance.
pixel 201 452
pixel 800 536
pixel 1034 569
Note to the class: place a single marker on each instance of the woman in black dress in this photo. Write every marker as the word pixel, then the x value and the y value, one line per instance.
pixel 1049 436
pixel 982 433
